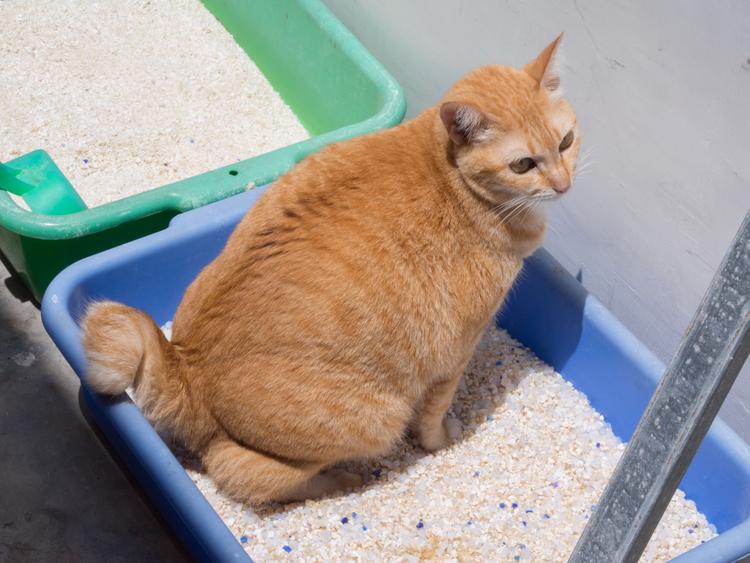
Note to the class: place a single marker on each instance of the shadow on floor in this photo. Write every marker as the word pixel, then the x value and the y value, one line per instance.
pixel 62 497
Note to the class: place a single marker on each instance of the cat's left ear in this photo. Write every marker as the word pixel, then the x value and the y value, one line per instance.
pixel 544 69
pixel 464 123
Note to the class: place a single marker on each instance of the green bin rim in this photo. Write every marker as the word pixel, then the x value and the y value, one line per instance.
pixel 187 194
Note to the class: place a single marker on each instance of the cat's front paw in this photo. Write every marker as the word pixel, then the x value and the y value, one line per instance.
pixel 432 439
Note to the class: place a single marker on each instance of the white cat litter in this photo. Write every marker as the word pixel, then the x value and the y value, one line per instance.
pixel 129 95
pixel 518 485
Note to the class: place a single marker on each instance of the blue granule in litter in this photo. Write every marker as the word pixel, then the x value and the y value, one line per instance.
pixel 502 505
pixel 344 520
pixel 287 549
pixel 243 539
pixel 523 522
pixel 192 140
pixel 498 364
pixel 690 530
pixel 522 545
pixel 489 417
pixel 516 557
pixel 529 511
pixel 545 516
pixel 593 507
pixel 555 485
pixel 364 528
pixel 377 472
pixel 354 514
pixel 85 160
pixel 598 445
pixel 420 525
pixel 514 505
pixel 476 474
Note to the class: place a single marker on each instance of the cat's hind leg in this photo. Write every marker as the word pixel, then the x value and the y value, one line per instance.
pixel 434 429
pixel 250 475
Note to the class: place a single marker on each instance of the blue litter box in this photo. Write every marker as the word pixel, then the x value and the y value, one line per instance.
pixel 548 311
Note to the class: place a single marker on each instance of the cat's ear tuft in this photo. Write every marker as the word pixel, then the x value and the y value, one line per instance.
pixel 463 122
pixel 545 68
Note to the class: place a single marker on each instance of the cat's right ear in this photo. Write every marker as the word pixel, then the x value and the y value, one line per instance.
pixel 463 122
pixel 545 68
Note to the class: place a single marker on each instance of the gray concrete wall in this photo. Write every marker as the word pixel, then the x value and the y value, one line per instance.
pixel 662 91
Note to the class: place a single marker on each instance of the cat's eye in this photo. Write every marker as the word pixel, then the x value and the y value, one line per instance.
pixel 566 141
pixel 522 165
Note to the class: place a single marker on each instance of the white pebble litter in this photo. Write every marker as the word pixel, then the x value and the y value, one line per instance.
pixel 518 485
pixel 129 95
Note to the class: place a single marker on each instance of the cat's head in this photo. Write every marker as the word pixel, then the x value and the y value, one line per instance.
pixel 511 133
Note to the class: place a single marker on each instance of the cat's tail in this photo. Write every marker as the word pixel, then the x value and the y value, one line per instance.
pixel 124 347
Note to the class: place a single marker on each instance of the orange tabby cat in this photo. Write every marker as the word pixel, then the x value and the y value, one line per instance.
pixel 349 300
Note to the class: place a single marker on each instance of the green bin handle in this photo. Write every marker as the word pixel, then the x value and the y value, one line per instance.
pixel 53 195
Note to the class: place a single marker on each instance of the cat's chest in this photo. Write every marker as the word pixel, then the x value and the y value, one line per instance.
pixel 464 286
pixel 459 303
pixel 483 278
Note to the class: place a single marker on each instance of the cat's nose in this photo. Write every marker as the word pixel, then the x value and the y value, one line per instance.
pixel 561 186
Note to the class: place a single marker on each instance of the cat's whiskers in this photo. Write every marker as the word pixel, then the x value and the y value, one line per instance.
pixel 584 163
pixel 536 205
pixel 505 204
pixel 522 206
pixel 588 153
pixel 544 195
pixel 585 167
pixel 506 207
pixel 509 208
pixel 518 210
pixel 529 209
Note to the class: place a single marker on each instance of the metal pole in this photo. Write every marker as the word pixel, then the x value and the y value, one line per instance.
pixel 680 413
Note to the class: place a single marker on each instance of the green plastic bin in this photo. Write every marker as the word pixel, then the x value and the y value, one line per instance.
pixel 335 87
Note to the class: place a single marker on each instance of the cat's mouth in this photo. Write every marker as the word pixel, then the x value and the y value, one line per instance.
pixel 551 194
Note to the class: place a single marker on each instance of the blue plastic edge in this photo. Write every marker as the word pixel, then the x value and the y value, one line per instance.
pixel 163 478
pixel 145 454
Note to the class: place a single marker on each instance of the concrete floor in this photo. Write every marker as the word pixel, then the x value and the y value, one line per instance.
pixel 62 496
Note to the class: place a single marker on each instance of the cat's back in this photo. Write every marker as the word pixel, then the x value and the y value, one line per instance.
pixel 354 237
pixel 329 227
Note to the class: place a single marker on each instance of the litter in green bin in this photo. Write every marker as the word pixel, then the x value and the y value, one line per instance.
pixel 36 178
pixel 111 140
